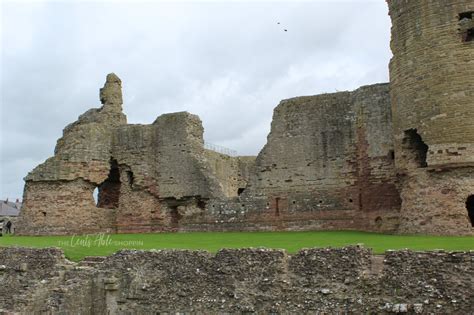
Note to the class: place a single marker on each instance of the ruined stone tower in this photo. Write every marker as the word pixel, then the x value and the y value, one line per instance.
pixel 58 193
pixel 432 95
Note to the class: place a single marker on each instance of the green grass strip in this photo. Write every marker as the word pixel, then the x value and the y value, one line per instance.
pixel 77 247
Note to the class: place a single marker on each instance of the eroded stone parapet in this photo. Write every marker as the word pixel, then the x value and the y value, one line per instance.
pixel 84 150
pixel 111 93
pixel 330 280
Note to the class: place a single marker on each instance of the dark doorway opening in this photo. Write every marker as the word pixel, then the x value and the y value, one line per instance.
pixel 414 148
pixel 201 204
pixel 468 36
pixel 277 206
pixel 109 190
pixel 240 191
pixel 470 208
pixel 378 221
pixel 130 178
pixel 175 216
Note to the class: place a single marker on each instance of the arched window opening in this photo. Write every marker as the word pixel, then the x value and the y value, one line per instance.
pixel 95 195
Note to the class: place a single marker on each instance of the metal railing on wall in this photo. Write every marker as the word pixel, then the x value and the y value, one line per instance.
pixel 219 149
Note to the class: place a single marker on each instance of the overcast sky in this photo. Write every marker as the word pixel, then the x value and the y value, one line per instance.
pixel 228 62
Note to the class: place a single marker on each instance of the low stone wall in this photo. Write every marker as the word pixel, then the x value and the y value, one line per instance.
pixel 346 281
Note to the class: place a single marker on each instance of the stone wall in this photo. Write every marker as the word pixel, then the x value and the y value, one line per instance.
pixel 432 95
pixel 182 171
pixel 232 172
pixel 139 208
pixel 435 202
pixel 348 280
pixel 169 177
pixel 149 177
pixel 62 207
pixel 325 157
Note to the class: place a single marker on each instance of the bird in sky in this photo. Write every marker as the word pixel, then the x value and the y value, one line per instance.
pixel 284 28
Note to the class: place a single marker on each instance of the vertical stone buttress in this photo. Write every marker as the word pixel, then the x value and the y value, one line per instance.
pixel 432 93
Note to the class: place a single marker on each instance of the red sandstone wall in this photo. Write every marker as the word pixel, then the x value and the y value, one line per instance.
pixel 65 207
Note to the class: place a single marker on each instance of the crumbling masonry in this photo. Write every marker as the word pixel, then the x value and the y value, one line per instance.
pixel 395 157
pixel 348 280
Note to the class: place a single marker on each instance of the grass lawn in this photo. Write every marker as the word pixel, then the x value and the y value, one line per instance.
pixel 77 247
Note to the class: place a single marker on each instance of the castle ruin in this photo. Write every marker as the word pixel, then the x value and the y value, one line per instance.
pixel 395 157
